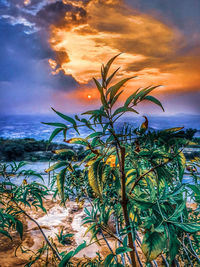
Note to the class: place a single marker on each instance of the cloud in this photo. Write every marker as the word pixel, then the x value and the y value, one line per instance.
pixel 98 37
pixel 157 51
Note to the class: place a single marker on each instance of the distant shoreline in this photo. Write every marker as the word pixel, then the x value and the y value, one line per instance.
pixel 29 149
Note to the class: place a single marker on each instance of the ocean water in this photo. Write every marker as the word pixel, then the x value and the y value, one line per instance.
pixel 30 126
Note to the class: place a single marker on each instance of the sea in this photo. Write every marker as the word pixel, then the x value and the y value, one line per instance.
pixel 31 126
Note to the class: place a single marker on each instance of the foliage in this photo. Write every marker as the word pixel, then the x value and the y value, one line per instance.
pixel 134 177
pixel 64 239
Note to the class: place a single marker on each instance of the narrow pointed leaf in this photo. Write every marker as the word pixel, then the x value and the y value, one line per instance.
pixel 54 133
pixel 130 98
pixel 115 98
pixel 19 228
pixel 154 100
pixel 111 76
pixel 109 259
pixel 79 141
pixel 109 63
pixel 56 124
pixel 173 130
pixel 65 117
pixel 115 88
pixel 123 110
pixel 189 227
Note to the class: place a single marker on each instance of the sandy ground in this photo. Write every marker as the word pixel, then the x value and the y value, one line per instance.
pixel 69 219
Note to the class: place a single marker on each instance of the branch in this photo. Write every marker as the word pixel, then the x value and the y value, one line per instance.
pixel 42 232
pixel 152 169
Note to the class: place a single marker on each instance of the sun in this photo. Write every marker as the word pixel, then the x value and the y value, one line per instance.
pixel 89 96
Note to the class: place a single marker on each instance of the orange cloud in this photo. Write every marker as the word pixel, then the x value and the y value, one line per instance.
pixel 110 27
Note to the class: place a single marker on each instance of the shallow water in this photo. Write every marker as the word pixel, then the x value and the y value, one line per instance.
pixel 40 167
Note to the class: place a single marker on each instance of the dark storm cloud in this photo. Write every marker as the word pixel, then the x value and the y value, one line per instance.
pixel 24 57
pixel 53 13
pixel 26 81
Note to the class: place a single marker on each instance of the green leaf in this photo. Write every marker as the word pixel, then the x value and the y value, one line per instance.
pixel 77 118
pixel 96 112
pixel 96 134
pixel 121 250
pixel 4 232
pixel 130 98
pixel 115 98
pixel 56 124
pixel 154 100
pixel 67 118
pixel 107 66
pixel 196 191
pixel 111 76
pixel 147 91
pixel 153 245
pixel 109 259
pixel 54 133
pixel 140 94
pixel 100 88
pixel 79 248
pixel 188 227
pixel 66 259
pixel 178 211
pixel 174 244
pixel 144 92
pixel 87 123
pixel 115 88
pixel 123 110
pixel 19 228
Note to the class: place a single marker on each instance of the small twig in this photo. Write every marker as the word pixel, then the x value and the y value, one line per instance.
pixel 137 255
pixel 42 232
pixel 152 169
pixel 109 246
pixel 191 246
pixel 165 261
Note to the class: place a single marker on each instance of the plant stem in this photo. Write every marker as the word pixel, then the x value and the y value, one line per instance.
pixel 124 203
pixel 190 243
pixel 118 235
pixel 138 257
pixel 152 169
pixel 109 246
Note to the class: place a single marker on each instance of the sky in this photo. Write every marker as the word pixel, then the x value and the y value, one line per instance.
pixel 50 51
